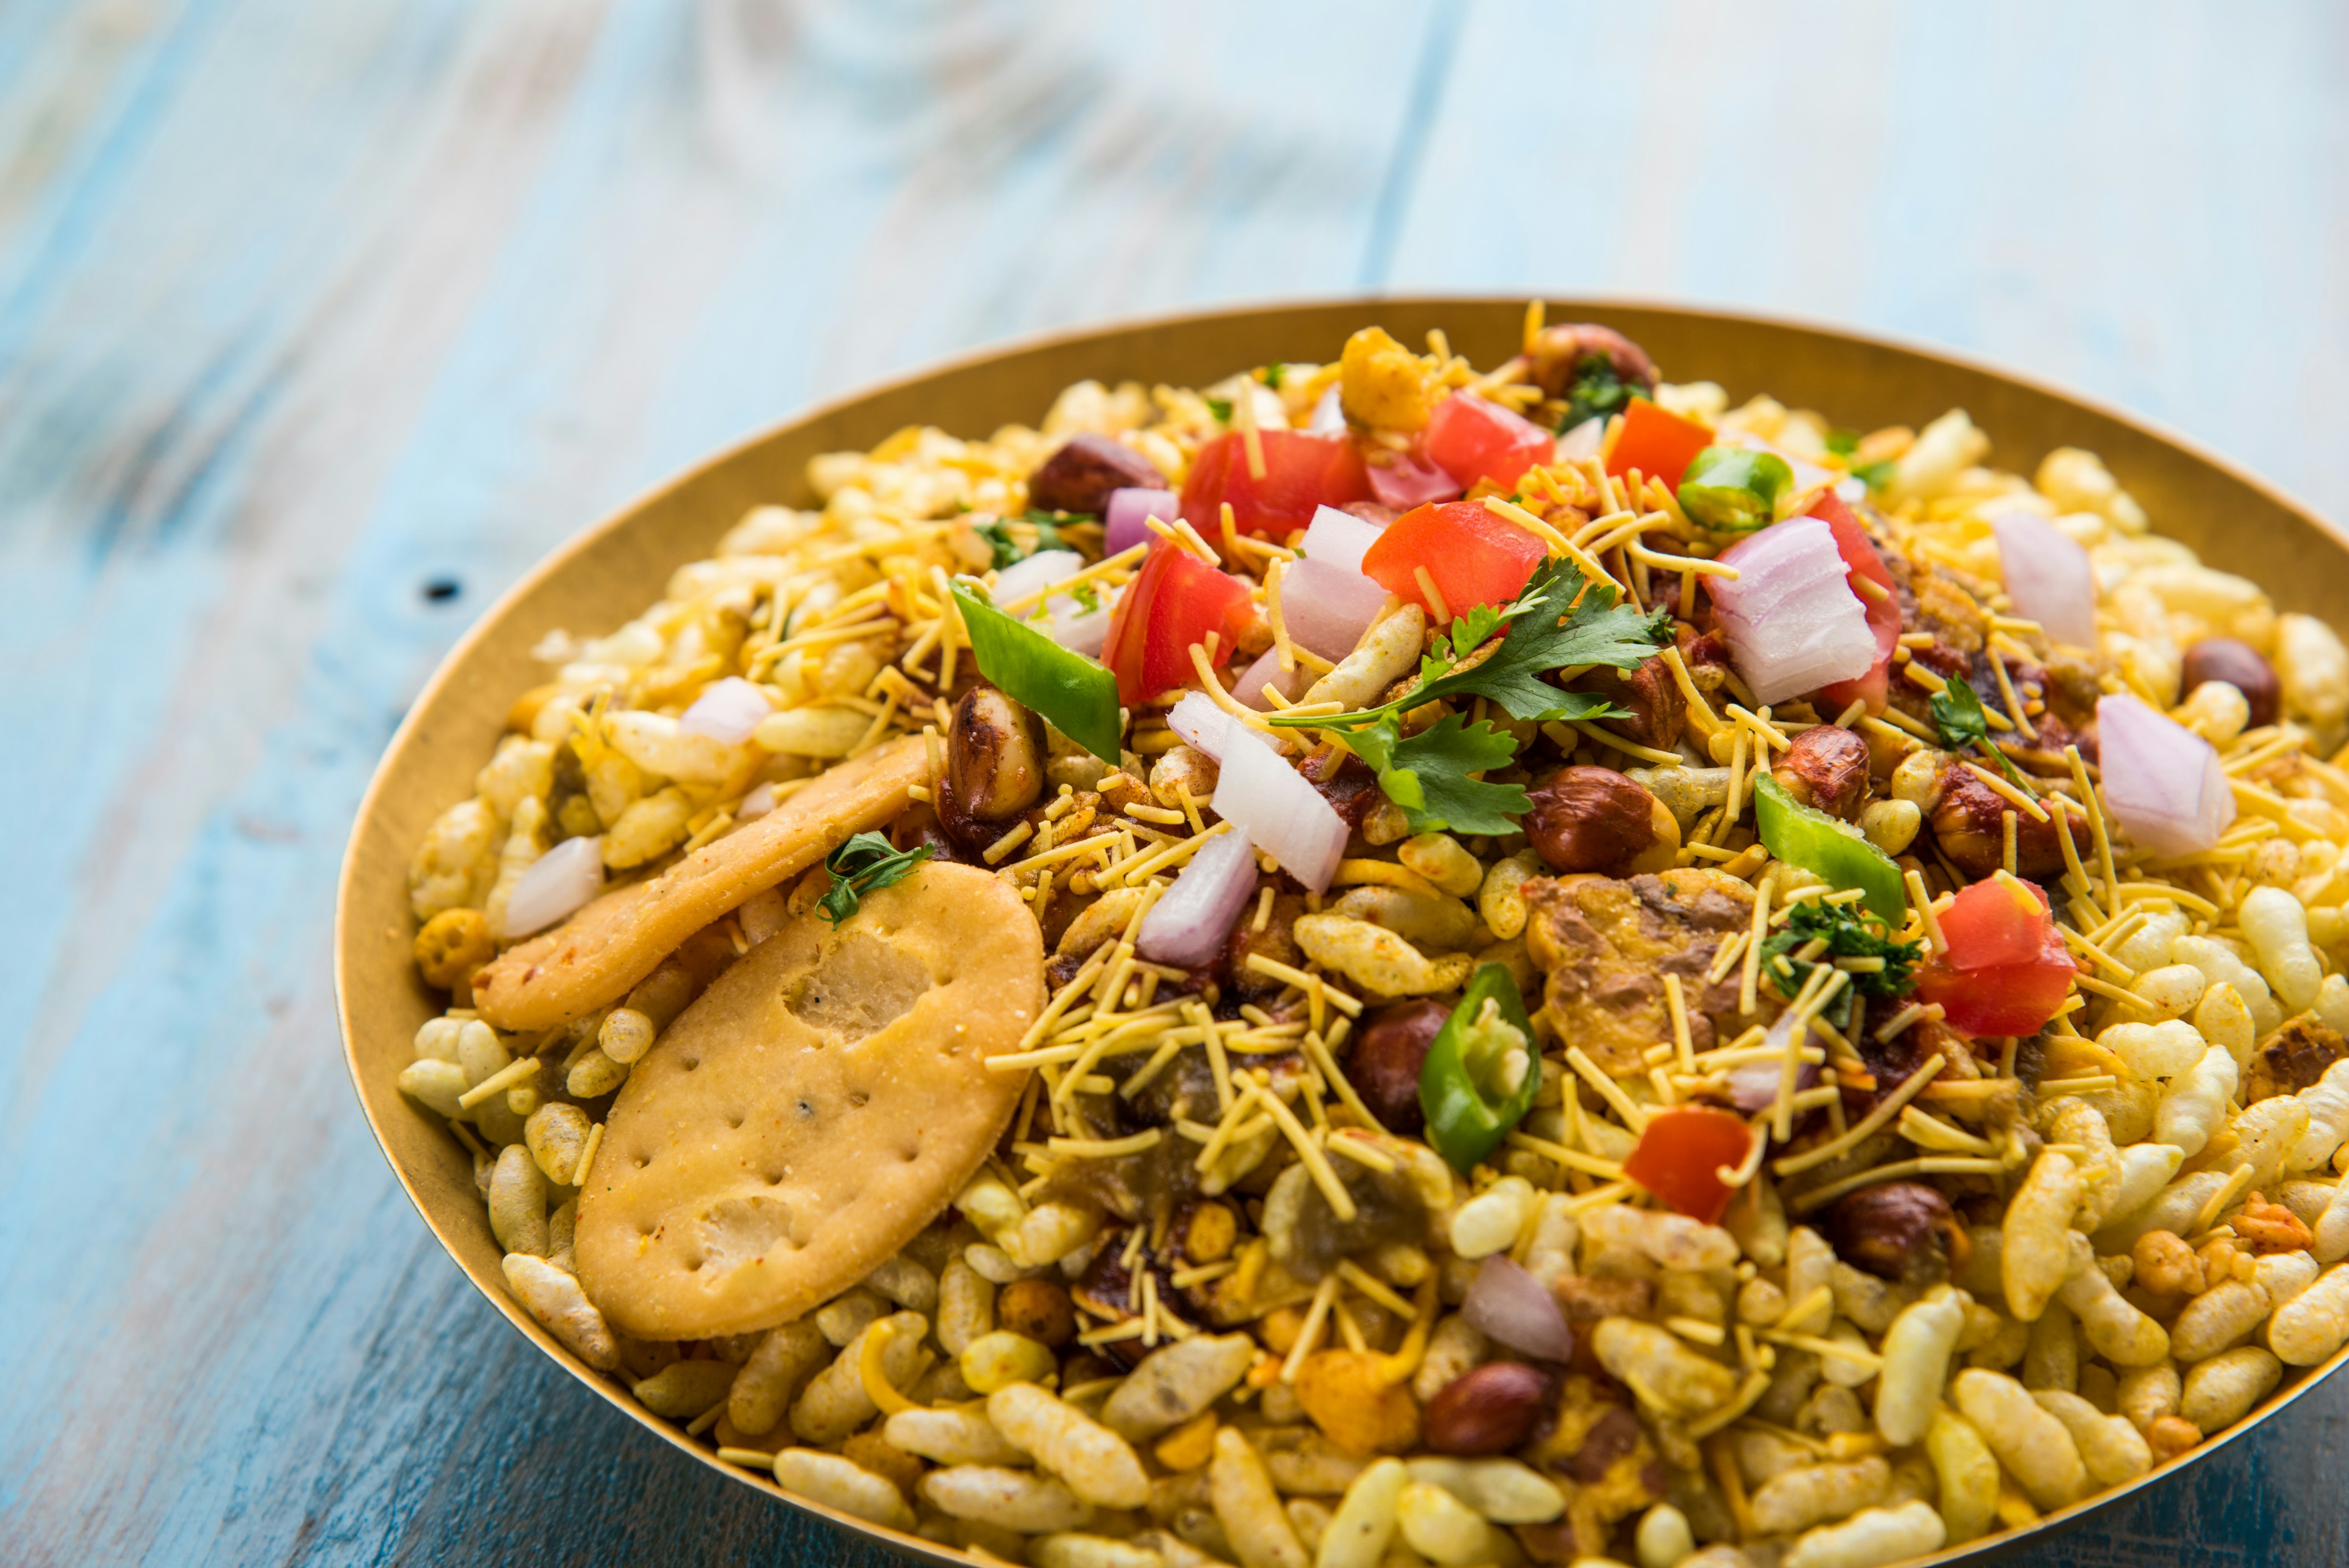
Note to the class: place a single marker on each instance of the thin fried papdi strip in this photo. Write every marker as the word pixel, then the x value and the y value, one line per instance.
pixel 595 956
pixel 819 1104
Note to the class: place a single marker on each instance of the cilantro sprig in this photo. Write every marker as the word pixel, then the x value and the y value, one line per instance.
pixel 997 531
pixel 865 864
pixel 1957 714
pixel 1562 618
pixel 1847 934
pixel 1595 392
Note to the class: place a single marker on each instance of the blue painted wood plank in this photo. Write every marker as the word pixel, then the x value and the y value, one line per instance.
pixel 301 305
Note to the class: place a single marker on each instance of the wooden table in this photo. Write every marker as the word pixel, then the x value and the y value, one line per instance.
pixel 320 321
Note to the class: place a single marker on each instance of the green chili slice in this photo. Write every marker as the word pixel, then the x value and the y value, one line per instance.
pixel 1481 1071
pixel 1077 695
pixel 1733 489
pixel 1808 837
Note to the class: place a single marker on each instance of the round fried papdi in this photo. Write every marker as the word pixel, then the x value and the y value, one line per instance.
pixel 822 1101
pixel 593 958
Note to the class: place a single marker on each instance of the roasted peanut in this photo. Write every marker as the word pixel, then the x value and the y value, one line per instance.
pixel 1899 1229
pixel 2239 665
pixel 1039 1309
pixel 1079 477
pixel 1490 1409
pixel 1386 1058
pixel 995 764
pixel 1826 767
pixel 1593 819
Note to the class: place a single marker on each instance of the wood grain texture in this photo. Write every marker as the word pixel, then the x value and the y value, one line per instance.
pixel 305 309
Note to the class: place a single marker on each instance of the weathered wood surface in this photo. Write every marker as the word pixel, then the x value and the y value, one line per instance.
pixel 305 308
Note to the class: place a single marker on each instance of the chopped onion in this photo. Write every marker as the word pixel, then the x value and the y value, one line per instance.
pixel 756 805
pixel 1340 538
pixel 1583 441
pixel 1127 518
pixel 2048 575
pixel 1259 794
pixel 1851 492
pixel 1754 1086
pixel 1506 1303
pixel 1203 726
pixel 727 711
pixel 1189 925
pixel 1328 414
pixel 559 881
pixel 1326 608
pixel 2160 779
pixel 1025 579
pixel 1791 619
pixel 1075 627
pixel 1411 481
pixel 1267 672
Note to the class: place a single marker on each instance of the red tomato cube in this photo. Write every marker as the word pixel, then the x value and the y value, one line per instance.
pixel 1174 601
pixel 1677 1157
pixel 1472 438
pixel 1472 557
pixel 1658 444
pixel 1302 470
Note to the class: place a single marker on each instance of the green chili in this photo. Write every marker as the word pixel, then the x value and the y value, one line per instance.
pixel 1077 695
pixel 1481 1071
pixel 1733 489
pixel 1808 837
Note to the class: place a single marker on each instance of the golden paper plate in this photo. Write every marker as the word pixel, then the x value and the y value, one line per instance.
pixel 611 570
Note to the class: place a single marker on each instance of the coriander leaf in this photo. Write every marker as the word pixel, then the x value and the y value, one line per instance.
pixel 1470 630
pixel 865 864
pixel 1874 475
pixel 997 534
pixel 1087 593
pixel 1222 408
pixel 1958 715
pixel 1561 619
pixel 1843 443
pixel 1048 529
pixel 1427 774
pixel 1596 391
pixel 1272 375
pixel 1846 935
pixel 997 531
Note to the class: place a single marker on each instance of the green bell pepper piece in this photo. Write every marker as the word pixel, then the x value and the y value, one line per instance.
pixel 1808 837
pixel 1079 696
pixel 1733 489
pixel 1481 1071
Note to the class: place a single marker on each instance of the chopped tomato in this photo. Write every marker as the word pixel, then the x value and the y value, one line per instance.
pixel 1658 444
pixel 1175 600
pixel 1302 470
pixel 1678 1155
pixel 1475 438
pixel 1997 922
pixel 1473 557
pixel 1860 560
pixel 2006 971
